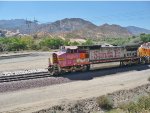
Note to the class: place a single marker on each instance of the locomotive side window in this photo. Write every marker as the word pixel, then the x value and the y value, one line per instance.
pixel 75 51
pixel 68 51
pixel 132 54
pixel 129 54
pixel 72 50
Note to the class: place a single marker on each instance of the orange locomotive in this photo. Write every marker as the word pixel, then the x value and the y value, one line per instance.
pixel 144 52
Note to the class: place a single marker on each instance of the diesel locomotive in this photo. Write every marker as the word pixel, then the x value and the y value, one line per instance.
pixel 79 58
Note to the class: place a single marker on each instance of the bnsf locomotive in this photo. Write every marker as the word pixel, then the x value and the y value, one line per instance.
pixel 79 58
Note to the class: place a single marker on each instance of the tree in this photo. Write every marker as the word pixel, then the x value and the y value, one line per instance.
pixel 16 44
pixel 74 43
pixel 145 37
pixel 53 43
pixel 88 42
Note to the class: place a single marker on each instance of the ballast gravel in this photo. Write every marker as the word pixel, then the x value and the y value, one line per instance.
pixel 22 72
pixel 33 83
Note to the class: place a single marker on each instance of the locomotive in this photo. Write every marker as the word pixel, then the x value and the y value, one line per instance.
pixel 79 58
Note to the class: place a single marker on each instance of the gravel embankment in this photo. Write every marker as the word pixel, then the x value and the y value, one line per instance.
pixel 33 83
pixel 23 72
pixel 91 106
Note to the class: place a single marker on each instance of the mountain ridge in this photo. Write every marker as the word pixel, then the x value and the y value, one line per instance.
pixel 137 30
pixel 74 26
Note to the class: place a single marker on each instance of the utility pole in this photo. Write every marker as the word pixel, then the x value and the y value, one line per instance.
pixel 28 23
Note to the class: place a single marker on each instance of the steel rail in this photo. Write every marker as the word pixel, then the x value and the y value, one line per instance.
pixel 23 77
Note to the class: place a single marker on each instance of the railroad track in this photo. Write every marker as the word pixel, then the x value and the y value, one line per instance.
pixel 28 76
pixel 23 77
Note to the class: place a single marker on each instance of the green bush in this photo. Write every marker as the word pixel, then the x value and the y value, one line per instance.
pixel 104 102
pixel 53 43
pixel 133 108
pixel 74 43
pixel 44 48
pixel 88 42
pixel 144 103
pixel 141 106
pixel 16 43
pixel 115 111
pixel 145 37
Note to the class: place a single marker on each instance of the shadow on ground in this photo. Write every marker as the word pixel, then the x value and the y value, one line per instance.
pixel 104 72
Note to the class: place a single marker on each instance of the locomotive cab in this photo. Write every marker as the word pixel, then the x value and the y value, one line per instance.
pixel 53 67
pixel 144 53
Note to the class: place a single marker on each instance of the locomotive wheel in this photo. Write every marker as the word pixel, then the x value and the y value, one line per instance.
pixel 143 60
pixel 85 68
pixel 51 70
pixel 88 67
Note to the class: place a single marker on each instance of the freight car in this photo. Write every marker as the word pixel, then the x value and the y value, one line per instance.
pixel 79 58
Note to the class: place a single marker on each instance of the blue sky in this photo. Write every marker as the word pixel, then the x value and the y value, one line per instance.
pixel 122 13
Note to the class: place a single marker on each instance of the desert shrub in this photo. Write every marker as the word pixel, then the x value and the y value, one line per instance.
pixel 130 107
pixel 114 111
pixel 104 102
pixel 123 107
pixel 144 103
pixel 44 48
pixel 141 106
pixel 149 79
pixel 74 43
pixel 71 35
pixel 133 108
pixel 35 47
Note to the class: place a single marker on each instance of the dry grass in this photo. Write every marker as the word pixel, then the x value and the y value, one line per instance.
pixel 104 102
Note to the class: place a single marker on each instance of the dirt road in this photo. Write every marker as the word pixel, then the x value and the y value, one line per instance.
pixel 29 100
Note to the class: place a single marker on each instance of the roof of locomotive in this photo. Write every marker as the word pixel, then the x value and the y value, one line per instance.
pixel 96 46
pixel 146 45
pixel 69 47
pixel 90 47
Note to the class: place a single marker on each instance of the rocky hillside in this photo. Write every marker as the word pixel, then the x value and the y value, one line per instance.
pixel 79 28
pixel 114 31
pixel 136 30
pixel 68 27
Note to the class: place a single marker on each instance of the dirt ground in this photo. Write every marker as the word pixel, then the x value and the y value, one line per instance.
pixel 29 100
pixel 34 61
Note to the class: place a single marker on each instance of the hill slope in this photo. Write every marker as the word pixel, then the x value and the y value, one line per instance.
pixel 70 27
pixel 137 30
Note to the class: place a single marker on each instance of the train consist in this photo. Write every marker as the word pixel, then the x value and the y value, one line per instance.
pixel 79 58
